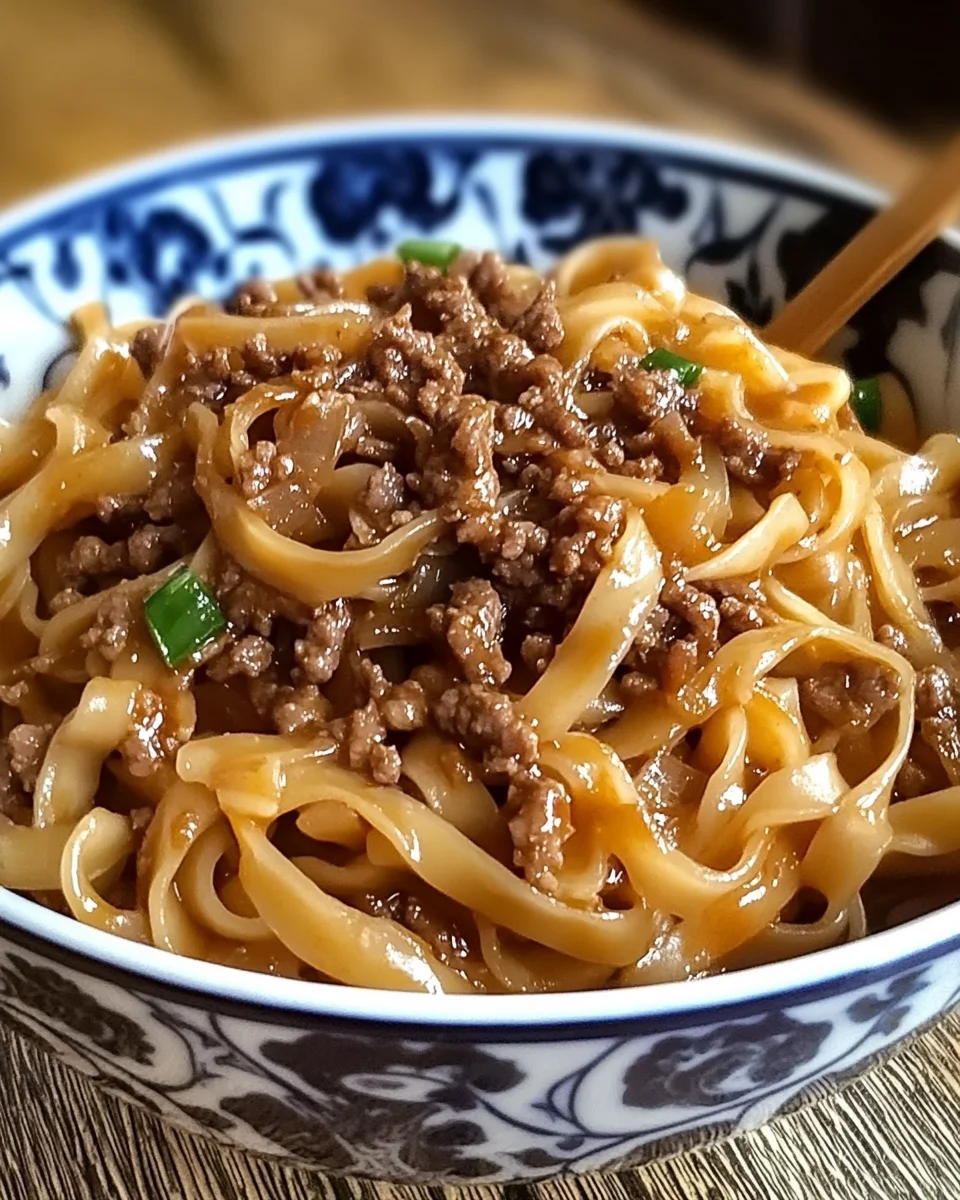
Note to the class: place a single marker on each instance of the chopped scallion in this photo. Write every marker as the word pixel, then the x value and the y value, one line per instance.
pixel 430 252
pixel 665 360
pixel 867 403
pixel 182 616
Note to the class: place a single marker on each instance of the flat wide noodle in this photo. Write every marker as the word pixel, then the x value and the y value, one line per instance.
pixel 623 596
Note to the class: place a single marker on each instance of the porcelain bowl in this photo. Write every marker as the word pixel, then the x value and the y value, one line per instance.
pixel 457 1089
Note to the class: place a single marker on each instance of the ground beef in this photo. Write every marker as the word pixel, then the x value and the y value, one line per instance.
pixel 540 325
pixel 320 285
pixel 261 467
pixel 645 658
pixel 662 451
pixel 698 611
pixel 471 626
pixel 849 697
pixel 678 637
pixel 488 726
pixel 513 549
pixel 402 707
pixel 26 746
pixel 491 356
pixel 916 778
pixel 219 376
pixel 251 606
pixel 13 694
pixel 363 737
pixel 381 506
pixel 459 475
pixel 537 651
pixel 171 498
pixel 495 440
pixel 318 651
pixel 450 937
pixel 552 408
pixel 489 278
pixel 13 799
pixel 91 556
pixel 144 551
pixel 410 368
pixel 150 546
pixel 893 638
pixel 934 694
pixel 742 606
pixel 749 457
pixel 937 714
pixel 280 650
pixel 147 348
pixel 120 508
pixel 117 615
pixel 649 395
pixel 150 741
pixel 364 734
pixel 670 425
pixel 540 824
pixel 293 710
pixel 697 608
pixel 250 657
pixel 64 599
pixel 594 524
pixel 679 666
pixel 254 299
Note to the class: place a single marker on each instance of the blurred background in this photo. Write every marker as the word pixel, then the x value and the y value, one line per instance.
pixel 863 85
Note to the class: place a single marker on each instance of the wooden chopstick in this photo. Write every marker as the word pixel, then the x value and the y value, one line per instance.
pixel 871 259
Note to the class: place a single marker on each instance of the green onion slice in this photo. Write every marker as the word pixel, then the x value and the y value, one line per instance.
pixel 665 360
pixel 867 403
pixel 430 252
pixel 183 616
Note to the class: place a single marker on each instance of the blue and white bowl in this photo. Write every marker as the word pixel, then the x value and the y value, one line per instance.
pixel 458 1088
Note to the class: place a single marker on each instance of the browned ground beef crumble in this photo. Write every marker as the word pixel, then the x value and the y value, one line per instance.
pixel 492 436
pixel 853 698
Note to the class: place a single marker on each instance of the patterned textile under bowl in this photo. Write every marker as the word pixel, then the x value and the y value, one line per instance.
pixel 458 1088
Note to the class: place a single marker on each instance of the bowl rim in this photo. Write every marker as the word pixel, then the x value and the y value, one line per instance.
pixel 806 977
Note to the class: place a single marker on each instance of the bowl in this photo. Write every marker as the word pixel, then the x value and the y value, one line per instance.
pixel 455 1088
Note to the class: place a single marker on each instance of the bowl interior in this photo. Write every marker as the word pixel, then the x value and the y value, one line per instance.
pixel 746 228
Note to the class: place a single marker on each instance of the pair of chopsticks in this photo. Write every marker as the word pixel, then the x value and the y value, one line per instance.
pixel 871 259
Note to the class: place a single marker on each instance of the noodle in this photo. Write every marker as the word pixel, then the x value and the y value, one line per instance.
pixel 450 629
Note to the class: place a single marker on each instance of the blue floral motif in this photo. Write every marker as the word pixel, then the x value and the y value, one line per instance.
pixel 66 267
pixel 887 1009
pixel 4 373
pixel 164 251
pixel 715 246
pixel 722 1064
pixel 382 1108
pixel 49 992
pixel 354 187
pixel 592 193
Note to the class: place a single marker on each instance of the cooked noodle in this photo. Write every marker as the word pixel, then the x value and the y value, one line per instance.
pixel 534 663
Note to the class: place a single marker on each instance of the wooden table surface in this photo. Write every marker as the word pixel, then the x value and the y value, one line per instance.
pixel 86 83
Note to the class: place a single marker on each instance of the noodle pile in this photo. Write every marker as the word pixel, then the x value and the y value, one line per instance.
pixel 685 723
